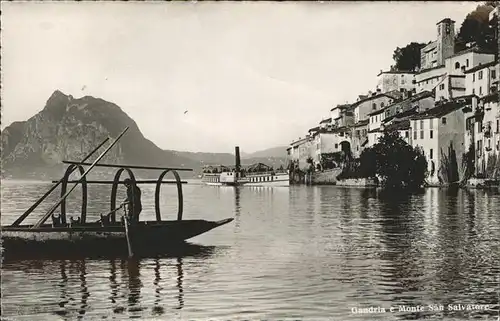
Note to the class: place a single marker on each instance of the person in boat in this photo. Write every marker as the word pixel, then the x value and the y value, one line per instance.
pixel 133 201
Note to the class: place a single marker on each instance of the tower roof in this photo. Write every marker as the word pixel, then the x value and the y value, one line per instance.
pixel 446 20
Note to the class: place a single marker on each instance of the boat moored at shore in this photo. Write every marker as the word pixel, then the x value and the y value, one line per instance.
pixel 111 233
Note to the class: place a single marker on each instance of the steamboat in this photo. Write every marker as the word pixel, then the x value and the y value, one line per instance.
pixel 254 175
pixel 63 234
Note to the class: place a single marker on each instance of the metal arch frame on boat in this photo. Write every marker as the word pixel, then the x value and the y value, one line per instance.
pixel 84 182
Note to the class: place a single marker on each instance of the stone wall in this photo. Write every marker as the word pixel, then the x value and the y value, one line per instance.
pixel 326 177
pixel 362 182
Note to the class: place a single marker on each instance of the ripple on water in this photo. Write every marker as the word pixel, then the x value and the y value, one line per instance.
pixel 309 253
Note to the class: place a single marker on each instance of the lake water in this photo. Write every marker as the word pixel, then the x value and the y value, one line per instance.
pixel 303 253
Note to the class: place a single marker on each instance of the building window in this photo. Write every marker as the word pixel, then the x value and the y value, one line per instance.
pixel 457 65
pixel 430 153
pixel 406 134
pixel 415 135
pixel 441 87
pixel 402 81
pixel 474 77
pixel 480 90
pixel 489 143
pixel 374 106
pixel 443 120
pixel 431 134
pixel 421 134
pixel 473 91
pixel 498 144
pixel 480 75
pixel 421 124
pixel 493 74
pixel 382 105
pixel 498 126
pixel 467 63
pixel 431 122
pixel 336 146
pixel 479 127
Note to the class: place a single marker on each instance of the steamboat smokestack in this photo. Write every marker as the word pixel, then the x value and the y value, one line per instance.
pixel 237 156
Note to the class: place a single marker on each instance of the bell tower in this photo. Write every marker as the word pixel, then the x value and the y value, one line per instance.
pixel 445 43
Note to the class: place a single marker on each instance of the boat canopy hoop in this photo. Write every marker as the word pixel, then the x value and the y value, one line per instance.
pixel 64 185
pixel 114 189
pixel 179 194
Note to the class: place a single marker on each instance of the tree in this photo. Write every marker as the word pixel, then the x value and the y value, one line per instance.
pixel 476 28
pixel 399 165
pixel 408 58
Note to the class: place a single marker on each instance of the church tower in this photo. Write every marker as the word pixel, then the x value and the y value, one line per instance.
pixel 445 43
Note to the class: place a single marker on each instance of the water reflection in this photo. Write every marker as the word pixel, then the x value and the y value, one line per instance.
pixel 340 248
pixel 71 278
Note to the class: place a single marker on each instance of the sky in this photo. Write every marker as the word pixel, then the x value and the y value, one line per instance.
pixel 252 74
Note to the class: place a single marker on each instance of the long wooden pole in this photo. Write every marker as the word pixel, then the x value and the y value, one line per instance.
pixel 122 182
pixel 129 166
pixel 57 183
pixel 53 208
pixel 129 245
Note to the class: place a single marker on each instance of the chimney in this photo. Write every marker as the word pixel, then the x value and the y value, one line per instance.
pixel 379 90
pixel 237 156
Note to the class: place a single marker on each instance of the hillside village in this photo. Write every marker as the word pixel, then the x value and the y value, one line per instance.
pixel 449 103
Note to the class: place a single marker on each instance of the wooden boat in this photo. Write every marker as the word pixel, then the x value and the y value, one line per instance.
pixel 107 234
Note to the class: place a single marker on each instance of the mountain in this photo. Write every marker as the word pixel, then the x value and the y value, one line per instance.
pixel 68 129
pixel 275 152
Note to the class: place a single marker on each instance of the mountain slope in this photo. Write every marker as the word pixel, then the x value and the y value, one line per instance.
pixel 274 152
pixel 68 128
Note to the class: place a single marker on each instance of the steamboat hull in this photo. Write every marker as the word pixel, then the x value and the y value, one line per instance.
pixel 146 237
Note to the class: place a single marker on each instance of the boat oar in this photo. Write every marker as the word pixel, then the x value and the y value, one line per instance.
pixel 129 246
pixel 32 208
pixel 53 208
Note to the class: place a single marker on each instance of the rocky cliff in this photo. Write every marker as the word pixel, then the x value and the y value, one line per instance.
pixel 68 129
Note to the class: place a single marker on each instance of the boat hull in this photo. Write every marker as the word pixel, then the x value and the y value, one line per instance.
pixel 263 180
pixel 145 237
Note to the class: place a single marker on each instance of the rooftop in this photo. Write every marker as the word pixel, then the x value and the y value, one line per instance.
pixel 344 106
pixel 472 50
pixel 480 66
pixel 445 109
pixel 447 20
pixel 361 123
pixel 324 121
pixel 407 113
pixel 429 69
pixel 395 94
pixel 396 72
pixel 400 125
pixel 376 112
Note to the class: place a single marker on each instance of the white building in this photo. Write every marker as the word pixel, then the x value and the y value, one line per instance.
pixel 374 126
pixel 388 81
pixel 466 59
pixel 451 86
pixel 373 102
pixel 482 79
pixel 434 131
